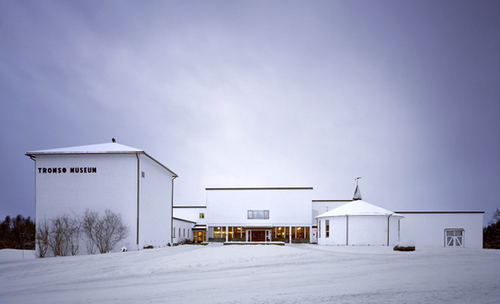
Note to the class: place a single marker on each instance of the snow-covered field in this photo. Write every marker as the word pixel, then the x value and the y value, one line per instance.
pixel 255 274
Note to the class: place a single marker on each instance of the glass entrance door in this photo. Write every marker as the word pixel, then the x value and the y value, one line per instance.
pixel 258 235
pixel 199 236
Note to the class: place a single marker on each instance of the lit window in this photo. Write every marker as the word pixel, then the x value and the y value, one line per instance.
pixel 202 215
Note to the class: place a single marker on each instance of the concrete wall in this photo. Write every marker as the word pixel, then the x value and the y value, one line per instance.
pixel 287 206
pixel 427 228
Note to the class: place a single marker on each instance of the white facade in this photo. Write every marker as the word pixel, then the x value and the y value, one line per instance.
pixel 193 213
pixel 183 230
pixel 433 228
pixel 111 176
pixel 358 223
pixel 262 214
pixel 131 183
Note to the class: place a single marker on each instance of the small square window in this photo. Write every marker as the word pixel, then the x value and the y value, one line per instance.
pixel 202 215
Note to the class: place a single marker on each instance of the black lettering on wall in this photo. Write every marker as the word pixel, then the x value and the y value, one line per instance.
pixel 71 170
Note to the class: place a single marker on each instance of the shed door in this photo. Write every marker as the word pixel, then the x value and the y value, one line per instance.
pixel 454 237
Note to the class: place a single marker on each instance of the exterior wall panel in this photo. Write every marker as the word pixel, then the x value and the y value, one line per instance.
pixel 155 205
pixel 427 228
pixel 367 230
pixel 113 186
pixel 286 207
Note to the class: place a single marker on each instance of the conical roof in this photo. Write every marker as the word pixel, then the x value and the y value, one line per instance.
pixel 358 207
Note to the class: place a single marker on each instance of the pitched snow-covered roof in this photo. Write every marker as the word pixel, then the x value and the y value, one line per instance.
pixel 106 148
pixel 358 207
pixel 90 149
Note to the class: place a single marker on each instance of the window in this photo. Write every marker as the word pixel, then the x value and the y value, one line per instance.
pixel 454 237
pixel 279 232
pixel 143 174
pixel 319 229
pixel 202 215
pixel 299 233
pixel 327 228
pixel 258 214
pixel 217 232
pixel 174 232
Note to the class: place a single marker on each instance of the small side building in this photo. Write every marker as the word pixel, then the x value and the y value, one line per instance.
pixel 358 223
pixel 193 216
pixel 443 228
pixel 111 176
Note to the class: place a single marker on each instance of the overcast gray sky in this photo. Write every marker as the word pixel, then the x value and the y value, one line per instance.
pixel 405 94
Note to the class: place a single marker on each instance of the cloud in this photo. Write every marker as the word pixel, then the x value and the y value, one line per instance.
pixel 265 94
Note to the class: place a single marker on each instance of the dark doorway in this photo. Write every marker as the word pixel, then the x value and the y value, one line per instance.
pixel 258 235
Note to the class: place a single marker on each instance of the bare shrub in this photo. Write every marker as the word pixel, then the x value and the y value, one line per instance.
pixel 72 234
pixel 64 236
pixel 110 230
pixel 88 226
pixel 42 238
pixel 103 232
pixel 57 237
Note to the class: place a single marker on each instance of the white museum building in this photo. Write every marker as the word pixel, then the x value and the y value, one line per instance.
pixel 130 182
pixel 111 176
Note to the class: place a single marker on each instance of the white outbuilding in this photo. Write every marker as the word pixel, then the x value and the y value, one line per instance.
pixel 358 223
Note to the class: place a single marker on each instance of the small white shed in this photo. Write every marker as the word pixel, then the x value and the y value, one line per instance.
pixel 358 223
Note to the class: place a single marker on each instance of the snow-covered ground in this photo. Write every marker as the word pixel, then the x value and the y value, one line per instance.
pixel 255 274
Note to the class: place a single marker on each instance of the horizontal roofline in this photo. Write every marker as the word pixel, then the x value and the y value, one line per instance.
pixel 190 206
pixel 321 201
pixel 81 152
pixel 427 212
pixel 265 188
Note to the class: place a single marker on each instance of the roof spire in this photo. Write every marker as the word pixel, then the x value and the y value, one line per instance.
pixel 357 192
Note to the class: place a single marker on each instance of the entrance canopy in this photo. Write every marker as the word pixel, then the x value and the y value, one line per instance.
pixel 199 227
